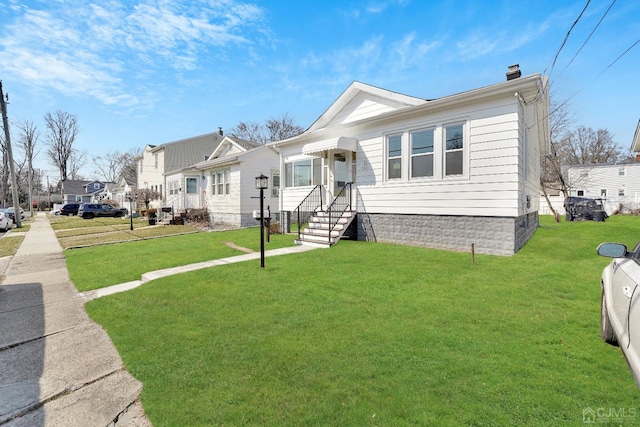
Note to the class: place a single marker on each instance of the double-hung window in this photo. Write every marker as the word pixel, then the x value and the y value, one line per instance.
pixel 394 156
pixel 422 153
pixel 454 150
pixel 303 173
pixel 220 184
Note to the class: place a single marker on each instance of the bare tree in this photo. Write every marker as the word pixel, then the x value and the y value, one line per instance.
pixel 146 195
pixel 109 166
pixel 129 169
pixel 77 160
pixel 273 129
pixel 29 141
pixel 571 146
pixel 586 146
pixel 116 165
pixel 62 130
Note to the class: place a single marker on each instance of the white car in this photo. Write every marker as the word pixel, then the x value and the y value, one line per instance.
pixel 620 306
pixel 6 223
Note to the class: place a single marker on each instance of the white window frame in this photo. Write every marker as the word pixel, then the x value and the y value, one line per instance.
pixel 621 192
pixel 187 179
pixel 290 168
pixel 396 158
pixel 431 154
pixel 275 182
pixel 622 171
pixel 221 182
pixel 462 150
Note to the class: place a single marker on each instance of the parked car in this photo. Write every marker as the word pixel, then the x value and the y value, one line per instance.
pixel 620 304
pixel 584 208
pixel 12 213
pixel 6 223
pixel 70 209
pixel 92 210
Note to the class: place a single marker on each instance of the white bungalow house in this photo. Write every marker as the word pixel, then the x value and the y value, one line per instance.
pixel 447 173
pixel 156 160
pixel 224 184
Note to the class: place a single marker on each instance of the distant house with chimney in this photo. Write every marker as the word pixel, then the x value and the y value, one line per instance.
pixel 157 160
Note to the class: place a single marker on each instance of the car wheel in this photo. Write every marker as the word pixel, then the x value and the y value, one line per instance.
pixel 606 330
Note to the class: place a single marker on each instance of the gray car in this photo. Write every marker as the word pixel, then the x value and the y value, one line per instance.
pixel 92 210
pixel 620 306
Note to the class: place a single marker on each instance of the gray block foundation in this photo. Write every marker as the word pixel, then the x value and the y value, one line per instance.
pixel 489 235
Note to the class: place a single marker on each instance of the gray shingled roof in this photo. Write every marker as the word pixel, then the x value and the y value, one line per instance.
pixel 74 186
pixel 186 152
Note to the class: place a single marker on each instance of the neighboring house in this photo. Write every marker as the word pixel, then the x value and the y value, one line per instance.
pixel 116 192
pixel 447 173
pixel 224 184
pixel 107 193
pixel 615 184
pixel 80 191
pixel 156 160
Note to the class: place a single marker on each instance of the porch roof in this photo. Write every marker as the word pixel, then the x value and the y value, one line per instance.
pixel 339 143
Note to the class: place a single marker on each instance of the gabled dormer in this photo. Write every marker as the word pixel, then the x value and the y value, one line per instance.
pixel 232 145
pixel 360 101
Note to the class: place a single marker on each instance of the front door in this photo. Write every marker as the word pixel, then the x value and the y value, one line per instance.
pixel 340 171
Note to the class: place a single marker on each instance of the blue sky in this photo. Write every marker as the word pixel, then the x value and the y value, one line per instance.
pixel 151 72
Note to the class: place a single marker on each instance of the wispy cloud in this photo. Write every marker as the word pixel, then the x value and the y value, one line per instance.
pixel 91 49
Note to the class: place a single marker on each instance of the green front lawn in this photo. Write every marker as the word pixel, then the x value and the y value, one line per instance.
pixel 377 334
pixel 99 266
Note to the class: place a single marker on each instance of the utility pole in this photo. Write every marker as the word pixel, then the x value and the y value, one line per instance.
pixel 12 168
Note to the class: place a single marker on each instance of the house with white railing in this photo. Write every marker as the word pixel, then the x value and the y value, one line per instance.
pixel 459 172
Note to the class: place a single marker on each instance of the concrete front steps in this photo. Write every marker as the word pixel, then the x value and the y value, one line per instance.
pixel 317 232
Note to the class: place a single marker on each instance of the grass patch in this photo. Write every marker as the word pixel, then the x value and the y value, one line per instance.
pixel 9 244
pixel 73 231
pixel 99 266
pixel 378 334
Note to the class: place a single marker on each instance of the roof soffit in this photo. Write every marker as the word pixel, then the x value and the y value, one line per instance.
pixel 635 143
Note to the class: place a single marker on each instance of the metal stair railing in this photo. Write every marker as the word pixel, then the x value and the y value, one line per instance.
pixel 308 207
pixel 340 204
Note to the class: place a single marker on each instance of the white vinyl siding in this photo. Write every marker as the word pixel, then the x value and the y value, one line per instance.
pixel 489 185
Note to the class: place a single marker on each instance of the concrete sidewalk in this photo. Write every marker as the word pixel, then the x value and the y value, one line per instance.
pixel 58 367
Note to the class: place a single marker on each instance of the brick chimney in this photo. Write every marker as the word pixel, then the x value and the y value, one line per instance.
pixel 514 72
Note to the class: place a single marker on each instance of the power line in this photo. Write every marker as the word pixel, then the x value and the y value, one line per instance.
pixel 605 69
pixel 587 40
pixel 566 37
pixel 588 84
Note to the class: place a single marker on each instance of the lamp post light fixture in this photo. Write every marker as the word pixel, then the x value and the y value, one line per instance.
pixel 131 197
pixel 261 184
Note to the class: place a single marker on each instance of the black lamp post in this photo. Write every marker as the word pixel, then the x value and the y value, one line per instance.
pixel 261 184
pixel 131 197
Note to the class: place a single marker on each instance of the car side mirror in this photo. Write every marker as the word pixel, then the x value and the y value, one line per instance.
pixel 612 250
